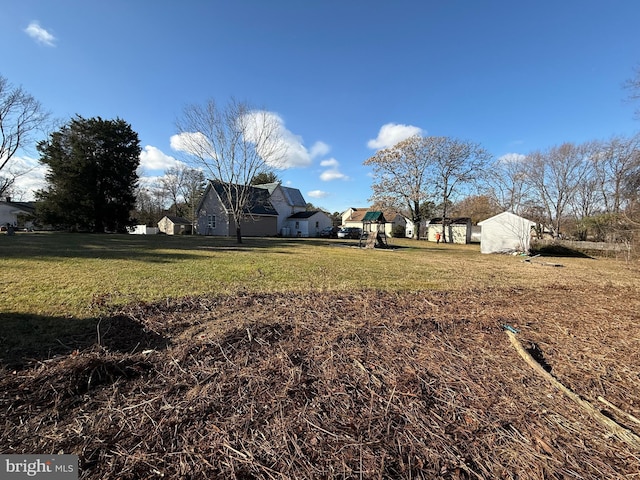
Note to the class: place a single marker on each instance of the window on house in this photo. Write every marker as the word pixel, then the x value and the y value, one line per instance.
pixel 317 224
pixel 297 225
pixel 211 221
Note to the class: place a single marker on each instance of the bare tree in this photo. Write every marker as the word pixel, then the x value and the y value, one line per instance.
pixel 456 164
pixel 615 162
pixel 633 86
pixel 20 116
pixel 184 186
pixel 401 176
pixel 555 175
pixel 420 169
pixel 507 180
pixel 233 144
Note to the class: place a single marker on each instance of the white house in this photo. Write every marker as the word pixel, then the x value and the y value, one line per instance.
pixel 286 200
pixel 306 224
pixel 504 233
pixel 16 214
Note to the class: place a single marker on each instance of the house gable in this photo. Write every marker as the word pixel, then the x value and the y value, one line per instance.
pixel 285 200
pixel 214 212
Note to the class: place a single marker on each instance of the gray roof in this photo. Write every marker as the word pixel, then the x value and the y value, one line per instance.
pixel 294 196
pixel 259 203
pixel 307 214
pixel 24 207
pixel 178 220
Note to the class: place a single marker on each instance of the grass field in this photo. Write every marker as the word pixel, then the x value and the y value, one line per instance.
pixel 70 274
pixel 194 357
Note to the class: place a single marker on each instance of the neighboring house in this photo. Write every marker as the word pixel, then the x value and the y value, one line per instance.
pixel 286 200
pixel 306 224
pixel 505 233
pixel 174 225
pixel 355 217
pixel 16 214
pixel 352 217
pixel 214 217
pixel 457 230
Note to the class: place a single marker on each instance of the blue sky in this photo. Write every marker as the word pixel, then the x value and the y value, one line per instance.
pixel 346 77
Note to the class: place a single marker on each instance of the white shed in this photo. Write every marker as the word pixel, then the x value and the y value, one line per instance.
pixel 504 233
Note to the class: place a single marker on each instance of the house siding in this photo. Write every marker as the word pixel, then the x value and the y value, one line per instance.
pixel 505 232
pixel 258 226
pixel 307 227
pixel 211 205
pixel 279 202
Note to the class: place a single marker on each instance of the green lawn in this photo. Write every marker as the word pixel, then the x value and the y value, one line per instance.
pixel 69 274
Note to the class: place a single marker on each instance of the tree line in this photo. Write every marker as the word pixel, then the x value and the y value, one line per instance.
pixel 586 191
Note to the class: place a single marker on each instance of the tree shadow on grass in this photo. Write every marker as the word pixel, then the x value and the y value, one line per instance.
pixel 26 338
pixel 555 250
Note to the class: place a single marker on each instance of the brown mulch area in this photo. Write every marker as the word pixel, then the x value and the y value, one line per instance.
pixel 357 385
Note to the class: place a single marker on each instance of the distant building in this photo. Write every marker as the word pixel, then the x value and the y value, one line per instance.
pixel 16 214
pixel 306 224
pixel 355 217
pixel 214 215
pixel 505 233
pixel 172 225
pixel 456 230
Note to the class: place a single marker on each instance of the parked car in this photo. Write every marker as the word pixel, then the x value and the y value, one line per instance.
pixel 349 232
pixel 329 232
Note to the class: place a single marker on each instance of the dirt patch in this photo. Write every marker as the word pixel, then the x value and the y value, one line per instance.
pixel 359 385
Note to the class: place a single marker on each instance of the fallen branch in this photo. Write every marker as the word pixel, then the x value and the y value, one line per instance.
pixel 618 430
pixel 619 411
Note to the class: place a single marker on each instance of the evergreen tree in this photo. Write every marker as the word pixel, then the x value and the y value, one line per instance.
pixel 92 178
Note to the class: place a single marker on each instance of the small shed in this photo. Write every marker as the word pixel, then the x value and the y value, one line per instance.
pixel 174 225
pixel 505 233
pixel 456 230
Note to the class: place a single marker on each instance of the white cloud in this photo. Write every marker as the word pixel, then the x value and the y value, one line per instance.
pixel 512 158
pixel 40 35
pixel 331 162
pixel 195 144
pixel 152 158
pixel 317 194
pixel 29 176
pixel 319 149
pixel 392 133
pixel 285 149
pixel 332 172
pixel 330 175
